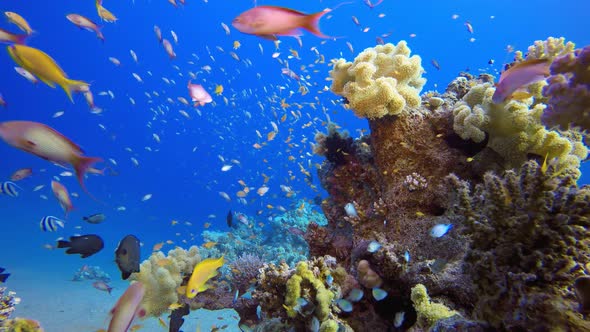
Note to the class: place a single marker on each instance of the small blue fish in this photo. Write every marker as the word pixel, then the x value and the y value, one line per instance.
pixel 247 295
pixel 236 296
pixel 373 246
pixel 379 294
pixel 350 210
pixel 9 188
pixel 440 230
pixel 345 305
pixel 355 295
pixel 399 319
pixel 259 312
pixel 315 325
pixel 50 223
pixel 407 256
pixel 329 280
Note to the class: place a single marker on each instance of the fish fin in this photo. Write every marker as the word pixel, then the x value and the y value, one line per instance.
pixel 21 39
pixel 2 269
pixel 125 275
pixel 109 289
pixel 63 244
pixel 83 255
pixel 81 165
pixel 311 23
pixel 68 84
pixel 269 37
pixel 4 276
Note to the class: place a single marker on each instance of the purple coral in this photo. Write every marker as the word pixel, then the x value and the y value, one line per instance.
pixel 569 91
pixel 245 269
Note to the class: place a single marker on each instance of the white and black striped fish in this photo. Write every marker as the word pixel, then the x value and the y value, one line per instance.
pixel 50 223
pixel 9 188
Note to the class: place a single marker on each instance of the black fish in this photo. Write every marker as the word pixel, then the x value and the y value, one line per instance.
pixel 230 219
pixel 95 218
pixel 176 319
pixel 85 245
pixel 3 276
pixel 127 256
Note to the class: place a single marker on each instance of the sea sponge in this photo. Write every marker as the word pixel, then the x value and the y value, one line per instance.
pixel 383 80
pixel 162 275
pixel 323 297
pixel 428 312
pixel 514 129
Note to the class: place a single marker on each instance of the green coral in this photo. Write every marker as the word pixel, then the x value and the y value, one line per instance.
pixel 428 311
pixel 323 297
pixel 21 325
pixel 546 49
pixel 329 326
pixel 384 80
pixel 515 129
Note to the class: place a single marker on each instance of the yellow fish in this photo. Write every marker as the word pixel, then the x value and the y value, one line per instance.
pixel 19 21
pixel 209 244
pixel 202 272
pixel 218 89
pixel 45 68
pixel 103 13
pixel 237 44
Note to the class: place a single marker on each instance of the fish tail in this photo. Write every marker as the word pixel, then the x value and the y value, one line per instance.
pixel 20 39
pixel 4 276
pixel 99 35
pixel 81 166
pixel 63 244
pixel 68 86
pixel 312 23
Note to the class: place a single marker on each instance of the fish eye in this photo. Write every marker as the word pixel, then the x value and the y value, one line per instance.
pixel 193 291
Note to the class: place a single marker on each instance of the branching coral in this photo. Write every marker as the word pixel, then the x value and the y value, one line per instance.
pixel 162 275
pixel 428 312
pixel 569 91
pixel 530 241
pixel 546 49
pixel 514 129
pixel 8 301
pixel 244 271
pixel 381 81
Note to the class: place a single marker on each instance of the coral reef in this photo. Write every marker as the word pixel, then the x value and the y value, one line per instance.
pixel 21 325
pixel 8 301
pixel 163 275
pixel 244 271
pixel 569 91
pixel 428 312
pixel 384 80
pixel 529 245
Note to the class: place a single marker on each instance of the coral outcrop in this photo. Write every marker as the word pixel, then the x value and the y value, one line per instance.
pixel 530 242
pixel 384 80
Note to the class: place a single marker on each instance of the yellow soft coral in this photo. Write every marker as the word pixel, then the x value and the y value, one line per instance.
pixel 323 297
pixel 428 312
pixel 546 49
pixel 381 81
pixel 514 129
pixel 162 275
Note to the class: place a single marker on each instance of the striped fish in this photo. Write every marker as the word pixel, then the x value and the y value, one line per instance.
pixel 50 223
pixel 9 188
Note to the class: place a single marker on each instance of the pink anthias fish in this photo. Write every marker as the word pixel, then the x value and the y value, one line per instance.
pixel 102 286
pixel 198 94
pixel 290 73
pixel 46 143
pixel 127 308
pixel 63 196
pixel 270 21
pixel 372 5
pixel 520 75
pixel 169 49
pixel 85 23
pixel 8 37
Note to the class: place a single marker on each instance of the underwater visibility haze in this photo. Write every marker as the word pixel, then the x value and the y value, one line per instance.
pixel 366 165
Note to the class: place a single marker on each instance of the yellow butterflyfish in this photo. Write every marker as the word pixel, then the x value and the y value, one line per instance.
pixel 202 272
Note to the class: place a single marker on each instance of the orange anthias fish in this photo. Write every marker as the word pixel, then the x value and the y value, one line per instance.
pixel 85 23
pixel 270 21
pixel 62 196
pixel 520 75
pixel 8 37
pixel 127 308
pixel 21 174
pixel 45 142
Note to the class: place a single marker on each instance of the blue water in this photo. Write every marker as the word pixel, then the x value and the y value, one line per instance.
pixel 185 184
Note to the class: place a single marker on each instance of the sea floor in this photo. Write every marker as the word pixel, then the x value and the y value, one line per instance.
pixel 62 305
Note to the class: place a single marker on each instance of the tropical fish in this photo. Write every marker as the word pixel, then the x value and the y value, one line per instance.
pixel 271 21
pixel 158 33
pixel 21 174
pixel 44 67
pixel 127 256
pixel 229 219
pixel 198 94
pixel 379 294
pixel 440 230
pixel 355 295
pixel 3 276
pixel 169 49
pixel 62 196
pixel 9 188
pixel 103 13
pixel 85 23
pixel 85 245
pixel 2 101
pixel 373 246
pixel 9 37
pixel 520 75
pixel 345 305
pixel 50 223
pixel 127 308
pixel 94 218
pixel 45 142
pixel 103 286
pixel 202 272
pixel 19 21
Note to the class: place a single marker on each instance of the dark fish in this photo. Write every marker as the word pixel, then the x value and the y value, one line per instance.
pixel 229 219
pixel 176 319
pixel 95 218
pixel 3 276
pixel 127 256
pixel 85 245
pixel 435 64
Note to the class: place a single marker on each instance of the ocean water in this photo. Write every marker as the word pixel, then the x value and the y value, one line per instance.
pixel 182 171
